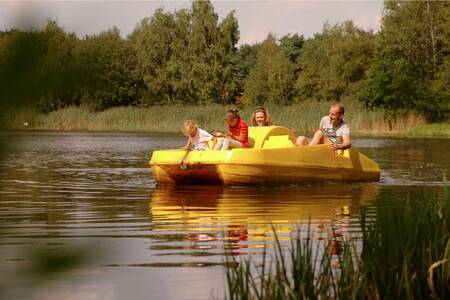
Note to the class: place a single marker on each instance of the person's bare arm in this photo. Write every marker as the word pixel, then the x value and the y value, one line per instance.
pixel 346 143
pixel 229 134
pixel 240 138
pixel 188 144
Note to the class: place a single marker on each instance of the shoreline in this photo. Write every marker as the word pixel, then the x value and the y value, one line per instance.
pixel 302 119
pixel 179 134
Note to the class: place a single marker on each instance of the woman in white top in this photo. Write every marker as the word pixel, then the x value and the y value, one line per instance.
pixel 197 138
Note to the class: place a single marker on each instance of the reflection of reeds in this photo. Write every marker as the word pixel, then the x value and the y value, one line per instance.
pixel 405 255
pixel 303 118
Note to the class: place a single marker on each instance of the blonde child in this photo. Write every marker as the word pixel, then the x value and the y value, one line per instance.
pixel 237 134
pixel 197 138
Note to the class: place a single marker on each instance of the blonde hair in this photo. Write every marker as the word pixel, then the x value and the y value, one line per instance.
pixel 267 122
pixel 188 125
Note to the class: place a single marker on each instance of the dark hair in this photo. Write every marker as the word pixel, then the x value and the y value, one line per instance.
pixel 232 113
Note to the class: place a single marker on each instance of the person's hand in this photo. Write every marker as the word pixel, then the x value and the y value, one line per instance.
pixel 334 147
pixel 217 134
pixel 186 148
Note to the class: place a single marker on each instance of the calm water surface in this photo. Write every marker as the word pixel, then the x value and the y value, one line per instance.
pixel 90 199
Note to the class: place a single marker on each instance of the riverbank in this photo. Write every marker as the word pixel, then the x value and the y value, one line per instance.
pixel 301 118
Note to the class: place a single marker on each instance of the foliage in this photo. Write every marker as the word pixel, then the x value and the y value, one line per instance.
pixel 302 118
pixel 187 57
pixel 335 61
pixel 405 255
pixel 271 78
pixel 191 56
pixel 411 65
pixel 110 71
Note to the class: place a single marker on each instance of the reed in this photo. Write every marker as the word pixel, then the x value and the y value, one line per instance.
pixel 405 255
pixel 302 118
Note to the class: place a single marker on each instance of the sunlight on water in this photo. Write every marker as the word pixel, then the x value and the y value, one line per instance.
pixel 91 197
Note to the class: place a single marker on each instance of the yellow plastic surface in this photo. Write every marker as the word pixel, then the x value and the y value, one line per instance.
pixel 273 159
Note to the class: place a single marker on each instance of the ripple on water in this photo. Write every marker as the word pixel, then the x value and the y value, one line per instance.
pixel 63 189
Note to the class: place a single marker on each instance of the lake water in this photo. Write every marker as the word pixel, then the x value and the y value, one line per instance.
pixel 82 218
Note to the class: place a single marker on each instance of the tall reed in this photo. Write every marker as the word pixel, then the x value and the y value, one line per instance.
pixel 302 118
pixel 405 255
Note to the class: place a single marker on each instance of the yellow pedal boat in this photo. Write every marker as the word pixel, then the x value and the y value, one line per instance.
pixel 272 158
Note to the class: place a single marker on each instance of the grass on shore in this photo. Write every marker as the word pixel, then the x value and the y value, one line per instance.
pixel 301 118
pixel 405 255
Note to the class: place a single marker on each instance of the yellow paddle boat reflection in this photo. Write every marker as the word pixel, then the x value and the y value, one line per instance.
pixel 249 215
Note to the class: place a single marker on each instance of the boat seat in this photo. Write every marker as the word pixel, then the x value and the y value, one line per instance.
pixel 268 137
pixel 278 141
pixel 258 136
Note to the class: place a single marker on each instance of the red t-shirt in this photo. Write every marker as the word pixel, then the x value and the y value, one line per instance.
pixel 241 127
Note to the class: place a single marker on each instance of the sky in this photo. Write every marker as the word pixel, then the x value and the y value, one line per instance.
pixel 256 18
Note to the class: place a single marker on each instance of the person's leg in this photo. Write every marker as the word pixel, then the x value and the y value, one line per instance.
pixel 235 144
pixel 318 138
pixel 302 141
pixel 225 144
pixel 218 145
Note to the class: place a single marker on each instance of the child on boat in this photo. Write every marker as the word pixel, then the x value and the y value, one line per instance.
pixel 237 134
pixel 261 117
pixel 197 138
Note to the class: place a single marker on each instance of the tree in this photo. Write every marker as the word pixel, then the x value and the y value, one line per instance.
pixel 59 69
pixel 292 46
pixel 271 79
pixel 111 75
pixel 187 56
pixel 334 61
pixel 152 42
pixel 411 64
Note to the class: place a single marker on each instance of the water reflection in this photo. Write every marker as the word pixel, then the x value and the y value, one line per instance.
pixel 94 192
pixel 245 218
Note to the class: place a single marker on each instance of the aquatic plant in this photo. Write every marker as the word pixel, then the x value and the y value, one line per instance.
pixel 302 118
pixel 404 254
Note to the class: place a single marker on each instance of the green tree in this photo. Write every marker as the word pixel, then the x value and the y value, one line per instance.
pixel 58 69
pixel 411 66
pixel 292 46
pixel 152 40
pixel 38 67
pixel 20 54
pixel 231 86
pixel 111 74
pixel 334 62
pixel 271 79
pixel 187 56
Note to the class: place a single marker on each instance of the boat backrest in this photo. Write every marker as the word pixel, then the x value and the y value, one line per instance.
pixel 281 137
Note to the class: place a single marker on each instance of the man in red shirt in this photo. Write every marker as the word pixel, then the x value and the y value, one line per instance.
pixel 237 134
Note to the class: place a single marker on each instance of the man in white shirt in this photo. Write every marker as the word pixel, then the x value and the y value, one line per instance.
pixel 332 130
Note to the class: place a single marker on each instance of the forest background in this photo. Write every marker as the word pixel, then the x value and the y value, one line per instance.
pixel 189 64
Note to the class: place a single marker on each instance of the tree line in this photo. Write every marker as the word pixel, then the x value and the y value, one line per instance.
pixel 189 56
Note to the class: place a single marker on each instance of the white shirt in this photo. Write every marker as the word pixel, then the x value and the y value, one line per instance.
pixel 200 140
pixel 334 134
